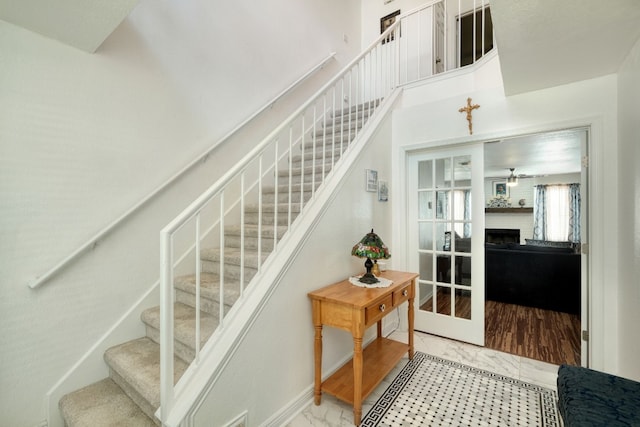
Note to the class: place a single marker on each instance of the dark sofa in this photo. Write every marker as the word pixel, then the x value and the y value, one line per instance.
pixel 591 398
pixel 533 276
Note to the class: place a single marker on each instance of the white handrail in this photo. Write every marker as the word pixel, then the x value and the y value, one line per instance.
pixel 309 119
pixel 246 160
pixel 93 241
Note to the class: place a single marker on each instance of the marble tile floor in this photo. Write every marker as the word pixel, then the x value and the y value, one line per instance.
pixel 334 413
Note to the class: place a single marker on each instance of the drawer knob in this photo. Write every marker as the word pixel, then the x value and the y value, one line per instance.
pixel 383 307
pixel 405 293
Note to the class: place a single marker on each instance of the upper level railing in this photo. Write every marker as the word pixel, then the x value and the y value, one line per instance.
pixel 412 48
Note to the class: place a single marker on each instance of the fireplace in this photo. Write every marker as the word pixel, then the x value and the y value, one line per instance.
pixel 501 235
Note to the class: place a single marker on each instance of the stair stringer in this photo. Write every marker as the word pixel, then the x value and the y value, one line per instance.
pixel 200 378
pixel 91 366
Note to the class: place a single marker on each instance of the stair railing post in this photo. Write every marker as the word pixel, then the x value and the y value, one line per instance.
pixel 166 324
pixel 198 283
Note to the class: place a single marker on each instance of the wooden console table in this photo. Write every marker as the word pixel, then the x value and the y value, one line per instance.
pixel 352 308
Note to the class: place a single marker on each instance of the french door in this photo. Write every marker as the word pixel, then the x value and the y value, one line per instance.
pixel 446 241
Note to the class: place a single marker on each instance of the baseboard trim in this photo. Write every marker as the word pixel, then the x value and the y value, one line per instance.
pixel 91 366
pixel 298 404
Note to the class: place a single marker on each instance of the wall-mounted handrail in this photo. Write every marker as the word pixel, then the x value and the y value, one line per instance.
pixel 94 241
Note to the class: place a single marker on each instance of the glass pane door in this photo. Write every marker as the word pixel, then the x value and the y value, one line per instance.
pixel 444 211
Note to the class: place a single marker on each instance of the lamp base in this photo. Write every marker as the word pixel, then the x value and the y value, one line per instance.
pixel 368 278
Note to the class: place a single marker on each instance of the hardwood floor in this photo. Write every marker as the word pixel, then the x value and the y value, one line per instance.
pixel 545 335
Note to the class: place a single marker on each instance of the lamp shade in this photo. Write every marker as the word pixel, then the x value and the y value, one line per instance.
pixel 370 247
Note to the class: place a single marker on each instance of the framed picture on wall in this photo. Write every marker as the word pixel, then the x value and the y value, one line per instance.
pixel 383 191
pixel 371 180
pixel 500 189
pixel 386 22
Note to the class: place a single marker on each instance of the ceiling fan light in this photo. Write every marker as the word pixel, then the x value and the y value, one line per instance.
pixel 512 181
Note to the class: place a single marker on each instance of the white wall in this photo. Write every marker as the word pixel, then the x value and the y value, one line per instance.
pixel 629 229
pixel 372 11
pixel 273 367
pixel 83 137
pixel 588 103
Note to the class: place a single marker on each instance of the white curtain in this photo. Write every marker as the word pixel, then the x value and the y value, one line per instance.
pixel 462 212
pixel 556 212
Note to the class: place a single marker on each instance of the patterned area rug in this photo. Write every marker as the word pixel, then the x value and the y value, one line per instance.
pixel 431 391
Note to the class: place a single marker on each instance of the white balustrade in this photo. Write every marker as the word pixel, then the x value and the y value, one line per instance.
pixel 407 51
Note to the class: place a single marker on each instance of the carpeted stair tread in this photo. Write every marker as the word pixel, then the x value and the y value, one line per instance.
pixel 271 207
pixel 131 395
pixel 209 287
pixel 326 153
pixel 232 256
pixel 340 137
pixel 251 230
pixel 184 323
pixel 137 362
pixel 102 404
pixel 365 106
pixel 308 169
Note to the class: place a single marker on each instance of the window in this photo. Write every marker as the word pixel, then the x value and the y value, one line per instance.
pixel 556 212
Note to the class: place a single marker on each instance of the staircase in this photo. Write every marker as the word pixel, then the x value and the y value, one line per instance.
pixel 130 395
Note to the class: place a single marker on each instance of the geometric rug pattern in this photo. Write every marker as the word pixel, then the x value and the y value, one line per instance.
pixel 430 391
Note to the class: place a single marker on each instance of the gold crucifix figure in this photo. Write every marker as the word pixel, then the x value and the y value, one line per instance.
pixel 468 109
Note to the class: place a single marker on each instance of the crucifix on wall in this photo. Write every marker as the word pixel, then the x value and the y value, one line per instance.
pixel 468 109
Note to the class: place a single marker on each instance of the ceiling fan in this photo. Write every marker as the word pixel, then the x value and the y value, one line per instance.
pixel 512 178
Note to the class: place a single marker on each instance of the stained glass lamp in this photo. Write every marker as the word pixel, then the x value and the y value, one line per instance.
pixel 370 247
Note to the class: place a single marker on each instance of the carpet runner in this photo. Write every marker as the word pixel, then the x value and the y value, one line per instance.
pixel 430 391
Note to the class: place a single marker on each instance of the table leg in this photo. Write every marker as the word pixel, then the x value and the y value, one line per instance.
pixel 317 391
pixel 357 380
pixel 410 320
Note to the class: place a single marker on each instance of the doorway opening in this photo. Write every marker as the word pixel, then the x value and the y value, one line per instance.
pixel 535 280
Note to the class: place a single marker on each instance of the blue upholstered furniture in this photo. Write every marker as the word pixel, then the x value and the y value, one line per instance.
pixel 589 398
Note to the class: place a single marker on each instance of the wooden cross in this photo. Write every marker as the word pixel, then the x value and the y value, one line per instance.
pixel 468 109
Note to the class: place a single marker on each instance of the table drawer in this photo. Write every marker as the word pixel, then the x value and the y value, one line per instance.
pixel 376 311
pixel 401 295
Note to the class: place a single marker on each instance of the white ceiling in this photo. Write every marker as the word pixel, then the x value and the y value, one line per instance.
pixel 550 153
pixel 546 43
pixel 542 43
pixel 83 24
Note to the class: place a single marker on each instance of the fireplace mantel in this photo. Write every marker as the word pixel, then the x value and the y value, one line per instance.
pixel 508 210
